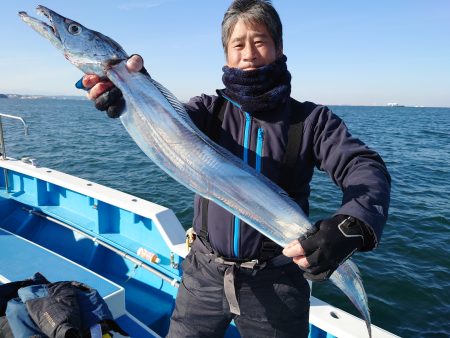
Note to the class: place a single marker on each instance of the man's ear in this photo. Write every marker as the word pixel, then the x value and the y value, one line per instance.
pixel 280 52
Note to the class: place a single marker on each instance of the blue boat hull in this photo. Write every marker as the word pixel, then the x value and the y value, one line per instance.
pixel 70 229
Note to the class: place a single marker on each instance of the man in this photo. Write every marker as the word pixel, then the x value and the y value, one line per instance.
pixel 233 271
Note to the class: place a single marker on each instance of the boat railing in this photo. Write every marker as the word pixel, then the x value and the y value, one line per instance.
pixel 2 141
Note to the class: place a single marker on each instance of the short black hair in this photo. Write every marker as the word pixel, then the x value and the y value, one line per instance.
pixel 257 11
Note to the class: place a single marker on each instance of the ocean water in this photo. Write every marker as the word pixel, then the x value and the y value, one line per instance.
pixel 407 277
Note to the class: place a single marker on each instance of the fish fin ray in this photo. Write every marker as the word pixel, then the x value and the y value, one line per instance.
pixel 181 110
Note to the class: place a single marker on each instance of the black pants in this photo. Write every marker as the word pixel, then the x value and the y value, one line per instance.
pixel 274 301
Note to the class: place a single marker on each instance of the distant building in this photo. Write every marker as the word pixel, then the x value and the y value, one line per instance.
pixel 394 104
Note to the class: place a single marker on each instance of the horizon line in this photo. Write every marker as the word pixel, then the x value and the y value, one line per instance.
pixel 83 97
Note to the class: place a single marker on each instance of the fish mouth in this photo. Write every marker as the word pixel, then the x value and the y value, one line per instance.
pixel 48 30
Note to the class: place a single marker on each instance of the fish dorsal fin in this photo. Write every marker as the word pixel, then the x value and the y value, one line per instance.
pixel 174 102
pixel 179 108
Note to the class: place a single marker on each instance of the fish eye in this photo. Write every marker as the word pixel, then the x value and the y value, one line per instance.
pixel 74 29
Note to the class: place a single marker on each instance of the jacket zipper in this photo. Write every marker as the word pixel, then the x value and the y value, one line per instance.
pixel 236 220
pixel 248 125
pixel 236 233
pixel 259 149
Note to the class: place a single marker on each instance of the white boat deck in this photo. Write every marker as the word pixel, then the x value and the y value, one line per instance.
pixel 15 265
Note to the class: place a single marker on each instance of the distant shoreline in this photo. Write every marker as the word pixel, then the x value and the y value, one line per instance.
pixel 39 97
pixel 82 98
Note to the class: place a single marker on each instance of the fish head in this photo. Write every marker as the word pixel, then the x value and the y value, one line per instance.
pixel 88 50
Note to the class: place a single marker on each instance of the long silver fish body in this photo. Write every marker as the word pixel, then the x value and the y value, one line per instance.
pixel 161 127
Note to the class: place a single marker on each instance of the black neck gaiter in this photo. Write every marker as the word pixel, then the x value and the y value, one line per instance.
pixel 259 90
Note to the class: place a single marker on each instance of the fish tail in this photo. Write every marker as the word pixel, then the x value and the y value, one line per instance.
pixel 348 279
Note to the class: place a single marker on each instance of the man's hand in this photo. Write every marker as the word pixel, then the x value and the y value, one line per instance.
pixel 106 96
pixel 321 251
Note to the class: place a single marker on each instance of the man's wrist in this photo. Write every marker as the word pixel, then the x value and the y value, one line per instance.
pixel 353 227
pixel 370 240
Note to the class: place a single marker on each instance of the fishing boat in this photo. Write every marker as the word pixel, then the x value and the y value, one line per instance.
pixel 129 249
pixel 394 104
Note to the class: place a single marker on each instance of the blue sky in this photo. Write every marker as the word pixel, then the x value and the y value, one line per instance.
pixel 339 52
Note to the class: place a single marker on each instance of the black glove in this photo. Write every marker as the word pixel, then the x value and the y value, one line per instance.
pixel 331 243
pixel 112 102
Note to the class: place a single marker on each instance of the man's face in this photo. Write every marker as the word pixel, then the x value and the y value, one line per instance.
pixel 251 46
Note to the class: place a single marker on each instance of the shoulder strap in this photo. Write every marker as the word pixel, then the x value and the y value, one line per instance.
pixel 215 123
pixel 204 235
pixel 294 141
pixel 213 130
pixel 270 249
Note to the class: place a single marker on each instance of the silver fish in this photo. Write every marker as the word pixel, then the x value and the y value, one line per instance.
pixel 161 127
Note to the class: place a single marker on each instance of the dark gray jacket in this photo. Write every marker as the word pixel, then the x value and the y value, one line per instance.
pixel 260 139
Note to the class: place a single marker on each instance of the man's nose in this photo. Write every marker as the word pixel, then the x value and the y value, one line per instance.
pixel 250 52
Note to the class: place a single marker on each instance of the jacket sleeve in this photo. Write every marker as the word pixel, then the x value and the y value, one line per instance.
pixel 199 109
pixel 356 169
